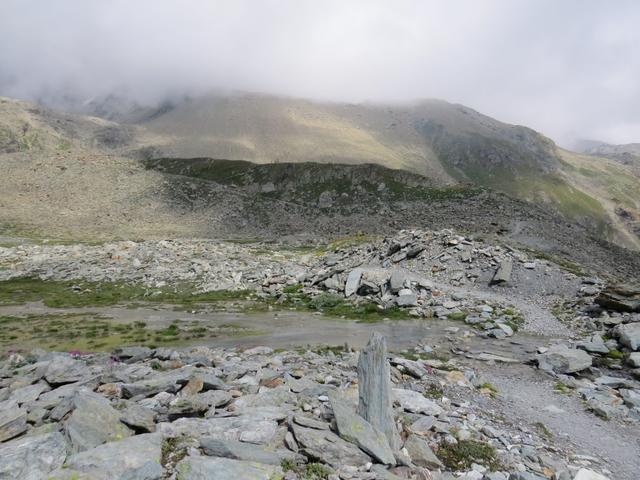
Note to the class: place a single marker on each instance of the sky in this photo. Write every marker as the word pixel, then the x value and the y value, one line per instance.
pixel 568 68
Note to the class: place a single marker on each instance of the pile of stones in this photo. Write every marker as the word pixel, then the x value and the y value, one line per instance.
pixel 261 414
pixel 604 365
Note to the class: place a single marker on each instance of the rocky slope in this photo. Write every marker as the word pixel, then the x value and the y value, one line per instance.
pixel 498 321
pixel 445 142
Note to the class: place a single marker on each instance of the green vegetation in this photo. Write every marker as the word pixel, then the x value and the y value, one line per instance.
pixel 433 391
pixel 337 306
pixel 89 332
pixel 466 452
pixel 562 388
pixel 304 182
pixel 493 391
pixel 543 430
pixel 414 356
pixel 565 264
pixel 615 354
pixel 310 471
pixel 173 450
pixel 458 316
pixel 61 294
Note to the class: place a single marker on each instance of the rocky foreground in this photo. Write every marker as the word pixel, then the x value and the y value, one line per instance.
pixel 203 413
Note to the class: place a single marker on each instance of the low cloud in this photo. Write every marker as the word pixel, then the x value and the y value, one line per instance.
pixel 569 69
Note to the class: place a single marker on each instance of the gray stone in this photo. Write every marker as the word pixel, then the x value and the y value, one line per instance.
pixel 63 369
pixel 634 359
pixel 622 298
pixel 415 402
pixel 508 331
pixel 30 393
pixel 53 398
pixel 629 335
pixel 586 474
pixel 383 474
pixel 355 429
pixel 526 476
pixel 192 406
pixel 631 397
pixel 375 403
pixel 561 359
pixel 503 273
pixel 206 468
pixel 413 368
pixel 215 398
pixel 32 457
pixel 133 354
pixel 134 458
pixel 94 422
pixel 216 447
pixel 13 422
pixel 421 454
pixel 139 418
pixel 353 282
pixel 328 447
pixel 309 422
pixel 159 382
pixel 407 298
pixel 398 280
pixel 422 425
pixel 247 428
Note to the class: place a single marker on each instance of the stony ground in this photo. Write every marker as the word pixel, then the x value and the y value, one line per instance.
pixel 530 368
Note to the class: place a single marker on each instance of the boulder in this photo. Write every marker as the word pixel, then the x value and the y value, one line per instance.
pixel 32 457
pixel 503 273
pixel 415 402
pixel 136 458
pixel 30 393
pixel 355 429
pixel 252 428
pixel 160 382
pixel 561 359
pixel 63 369
pixel 94 422
pixel 13 422
pixel 407 298
pixel 206 468
pixel 421 454
pixel 629 335
pixel 139 418
pixel 217 447
pixel 623 298
pixel 634 359
pixel 398 281
pixel 328 447
pixel 353 282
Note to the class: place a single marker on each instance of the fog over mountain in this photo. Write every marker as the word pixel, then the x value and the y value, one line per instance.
pixel 568 69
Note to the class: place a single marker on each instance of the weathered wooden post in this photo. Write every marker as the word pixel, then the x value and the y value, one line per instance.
pixel 375 404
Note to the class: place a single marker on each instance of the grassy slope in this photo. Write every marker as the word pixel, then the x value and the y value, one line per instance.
pixel 57 165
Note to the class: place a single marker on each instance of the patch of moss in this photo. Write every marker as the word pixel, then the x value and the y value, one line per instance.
pixel 543 430
pixel 466 452
pixel 615 354
pixel 562 388
pixel 310 471
pixel 63 294
pixel 457 316
pixel 493 391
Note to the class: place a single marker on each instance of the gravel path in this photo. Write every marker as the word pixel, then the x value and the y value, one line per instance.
pixel 528 397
